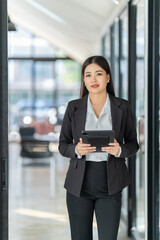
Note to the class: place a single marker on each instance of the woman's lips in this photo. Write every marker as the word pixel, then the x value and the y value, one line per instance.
pixel 95 86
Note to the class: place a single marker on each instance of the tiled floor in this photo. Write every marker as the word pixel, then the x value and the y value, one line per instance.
pixel 34 215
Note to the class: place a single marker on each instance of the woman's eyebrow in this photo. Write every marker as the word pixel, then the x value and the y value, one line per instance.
pixel 96 71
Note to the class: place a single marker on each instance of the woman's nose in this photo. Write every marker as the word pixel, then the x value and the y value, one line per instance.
pixel 94 79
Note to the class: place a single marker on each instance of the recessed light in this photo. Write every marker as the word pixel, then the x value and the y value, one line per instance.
pixel 116 2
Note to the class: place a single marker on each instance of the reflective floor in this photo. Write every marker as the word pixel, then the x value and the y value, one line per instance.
pixel 33 213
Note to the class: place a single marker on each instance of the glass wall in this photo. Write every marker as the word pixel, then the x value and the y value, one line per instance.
pixel 45 85
pixel 20 94
pixel 138 206
pixel 38 79
pixel 107 46
pixel 123 76
pixel 140 114
pixel 115 55
pixel 42 79
pixel 124 54
pixel 119 66
pixel 116 51
pixel 67 75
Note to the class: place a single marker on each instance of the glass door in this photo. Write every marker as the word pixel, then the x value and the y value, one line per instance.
pixel 107 44
pixel 115 55
pixel 123 54
pixel 140 115
pixel 123 79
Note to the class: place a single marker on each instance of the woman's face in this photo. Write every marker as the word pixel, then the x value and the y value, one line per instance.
pixel 95 78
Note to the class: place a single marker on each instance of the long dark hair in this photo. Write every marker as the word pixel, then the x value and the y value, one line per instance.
pixel 102 62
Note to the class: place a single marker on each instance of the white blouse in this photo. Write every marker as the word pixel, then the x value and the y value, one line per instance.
pixel 104 122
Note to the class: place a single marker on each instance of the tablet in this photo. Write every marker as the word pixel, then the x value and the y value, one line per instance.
pixel 98 138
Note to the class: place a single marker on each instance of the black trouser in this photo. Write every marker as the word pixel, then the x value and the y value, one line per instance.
pixel 94 196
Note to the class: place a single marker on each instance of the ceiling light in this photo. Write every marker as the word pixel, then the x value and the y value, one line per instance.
pixel 116 2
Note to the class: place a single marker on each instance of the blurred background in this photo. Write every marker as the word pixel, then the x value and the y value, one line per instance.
pixel 47 43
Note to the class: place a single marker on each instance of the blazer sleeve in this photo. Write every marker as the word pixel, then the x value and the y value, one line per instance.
pixel 130 145
pixel 66 146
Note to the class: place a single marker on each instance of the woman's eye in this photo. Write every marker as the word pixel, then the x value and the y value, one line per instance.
pixel 88 75
pixel 99 74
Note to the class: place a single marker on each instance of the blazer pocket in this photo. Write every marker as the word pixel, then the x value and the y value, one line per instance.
pixel 74 163
pixel 119 162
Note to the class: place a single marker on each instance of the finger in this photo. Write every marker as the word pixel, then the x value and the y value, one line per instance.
pixel 81 146
pixel 85 144
pixel 109 151
pixel 112 144
pixel 104 150
pixel 115 140
pixel 91 150
pixel 86 152
pixel 87 148
pixel 80 140
pixel 108 148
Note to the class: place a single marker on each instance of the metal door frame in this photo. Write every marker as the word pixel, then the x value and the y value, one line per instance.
pixel 3 121
pixel 152 120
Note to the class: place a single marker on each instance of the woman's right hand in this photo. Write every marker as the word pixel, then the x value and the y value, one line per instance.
pixel 83 148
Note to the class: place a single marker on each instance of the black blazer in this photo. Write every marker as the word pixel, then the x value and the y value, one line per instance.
pixel 125 134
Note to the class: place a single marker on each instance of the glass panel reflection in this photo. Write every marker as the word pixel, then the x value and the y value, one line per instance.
pixel 20 43
pixel 107 46
pixel 124 88
pixel 20 96
pixel 68 79
pixel 115 55
pixel 45 84
pixel 140 159
pixel 124 55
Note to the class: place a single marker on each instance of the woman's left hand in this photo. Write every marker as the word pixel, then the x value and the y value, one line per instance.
pixel 113 149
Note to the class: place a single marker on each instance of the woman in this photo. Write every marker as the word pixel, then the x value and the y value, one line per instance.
pixel 95 180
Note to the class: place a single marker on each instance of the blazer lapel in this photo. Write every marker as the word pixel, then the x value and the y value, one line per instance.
pixel 81 110
pixel 116 114
pixel 80 115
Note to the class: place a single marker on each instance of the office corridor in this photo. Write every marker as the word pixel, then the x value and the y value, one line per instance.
pixel 34 215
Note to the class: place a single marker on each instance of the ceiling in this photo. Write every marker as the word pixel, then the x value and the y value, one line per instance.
pixel 72 25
